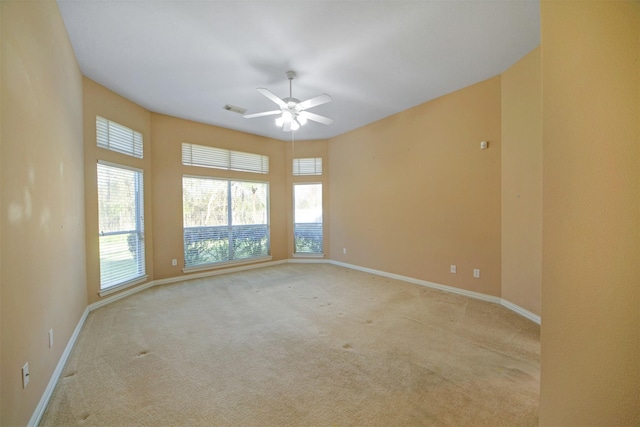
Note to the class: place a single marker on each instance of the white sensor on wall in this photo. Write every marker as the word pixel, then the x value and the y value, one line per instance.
pixel 484 144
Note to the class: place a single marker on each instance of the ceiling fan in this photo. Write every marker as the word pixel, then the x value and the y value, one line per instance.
pixel 292 111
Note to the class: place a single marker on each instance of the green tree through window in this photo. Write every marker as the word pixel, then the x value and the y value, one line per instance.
pixel 224 220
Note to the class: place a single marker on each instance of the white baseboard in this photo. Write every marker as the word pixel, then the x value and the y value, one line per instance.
pixel 123 294
pixel 44 400
pixel 166 281
pixel 445 288
pixel 521 311
pixel 219 272
pixel 53 381
pixel 304 260
pixel 496 300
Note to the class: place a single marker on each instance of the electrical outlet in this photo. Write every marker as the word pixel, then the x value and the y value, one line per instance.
pixel 454 269
pixel 344 251
pixel 476 273
pixel 174 262
pixel 50 338
pixel 25 375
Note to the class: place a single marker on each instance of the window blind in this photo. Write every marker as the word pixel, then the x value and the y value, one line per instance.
pixel 115 137
pixel 307 217
pixel 121 224
pixel 307 166
pixel 220 158
pixel 224 220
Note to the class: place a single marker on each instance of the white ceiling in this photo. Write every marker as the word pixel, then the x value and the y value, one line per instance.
pixel 374 58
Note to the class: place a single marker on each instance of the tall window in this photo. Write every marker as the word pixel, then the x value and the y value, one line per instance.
pixel 121 222
pixel 224 220
pixel 307 228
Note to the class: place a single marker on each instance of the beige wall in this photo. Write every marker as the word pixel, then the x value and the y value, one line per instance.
pixel 168 134
pixel 414 193
pixel 43 239
pixel 522 182
pixel 162 164
pixel 410 194
pixel 100 101
pixel 590 363
pixel 1 204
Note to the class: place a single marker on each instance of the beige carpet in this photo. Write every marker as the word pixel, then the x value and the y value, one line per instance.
pixel 300 345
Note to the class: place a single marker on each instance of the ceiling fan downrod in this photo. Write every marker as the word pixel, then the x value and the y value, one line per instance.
pixel 291 75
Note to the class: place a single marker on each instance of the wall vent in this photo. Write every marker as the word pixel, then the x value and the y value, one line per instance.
pixel 235 109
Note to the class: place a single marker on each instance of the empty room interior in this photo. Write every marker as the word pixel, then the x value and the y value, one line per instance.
pixel 442 226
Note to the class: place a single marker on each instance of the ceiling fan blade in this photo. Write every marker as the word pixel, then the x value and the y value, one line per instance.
pixel 318 100
pixel 264 113
pixel 271 96
pixel 316 118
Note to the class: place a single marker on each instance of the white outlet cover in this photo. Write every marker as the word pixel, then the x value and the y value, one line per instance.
pixel 476 272
pixel 453 269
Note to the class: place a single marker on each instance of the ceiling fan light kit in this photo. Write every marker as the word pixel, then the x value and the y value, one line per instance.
pixel 292 112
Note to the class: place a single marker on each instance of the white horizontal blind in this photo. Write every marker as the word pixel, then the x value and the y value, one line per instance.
pixel 121 225
pixel 308 166
pixel 219 158
pixel 224 220
pixel 307 218
pixel 115 137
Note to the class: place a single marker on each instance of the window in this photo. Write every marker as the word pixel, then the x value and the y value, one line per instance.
pixel 310 166
pixel 121 224
pixel 115 137
pixel 224 220
pixel 307 228
pixel 219 158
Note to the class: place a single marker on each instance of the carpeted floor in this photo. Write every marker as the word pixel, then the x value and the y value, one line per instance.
pixel 300 345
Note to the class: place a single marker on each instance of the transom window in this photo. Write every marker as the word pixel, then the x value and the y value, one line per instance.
pixel 307 166
pixel 115 137
pixel 220 158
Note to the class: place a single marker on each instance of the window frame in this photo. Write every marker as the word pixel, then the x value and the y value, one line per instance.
pixel 307 166
pixel 204 156
pixel 104 140
pixel 140 255
pixel 230 260
pixel 297 253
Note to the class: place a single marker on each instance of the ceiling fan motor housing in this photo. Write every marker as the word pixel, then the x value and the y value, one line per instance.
pixel 291 102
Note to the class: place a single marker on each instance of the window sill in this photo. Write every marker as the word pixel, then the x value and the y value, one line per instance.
pixel 308 255
pixel 215 266
pixel 122 286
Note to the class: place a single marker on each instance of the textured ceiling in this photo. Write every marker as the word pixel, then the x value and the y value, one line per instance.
pixel 374 58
